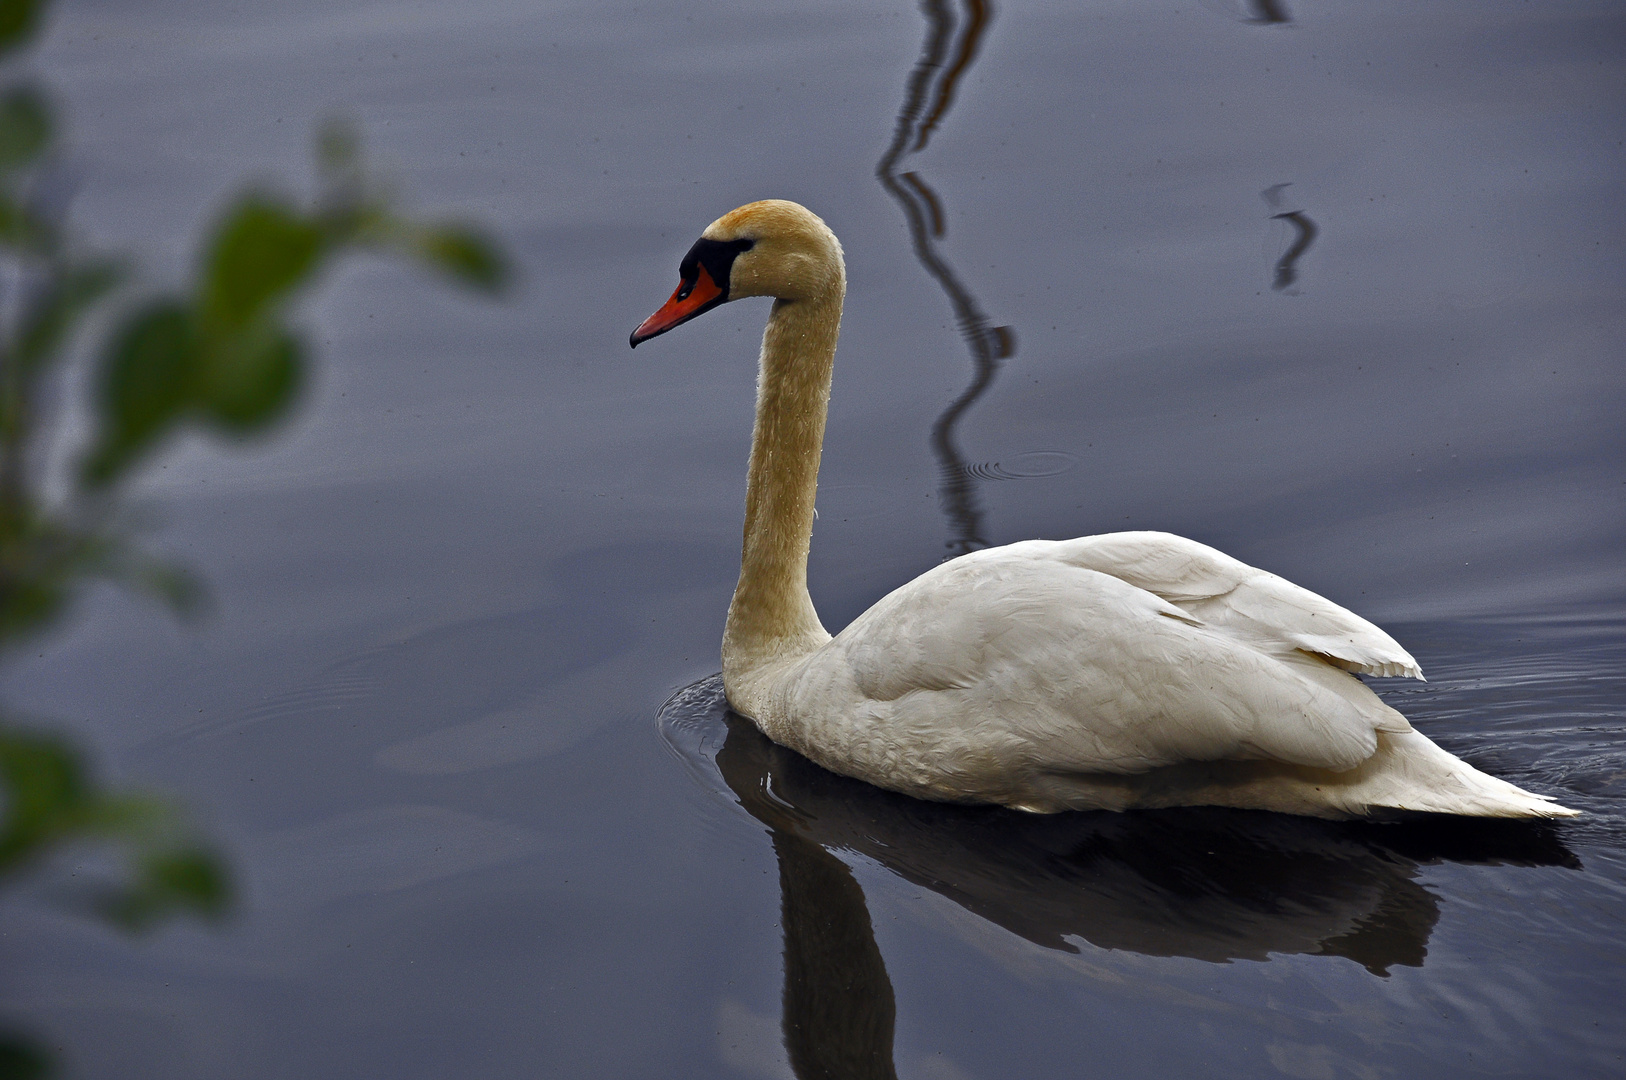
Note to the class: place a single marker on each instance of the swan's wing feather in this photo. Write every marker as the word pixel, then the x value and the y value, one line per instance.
pixel 1009 659
pixel 1229 594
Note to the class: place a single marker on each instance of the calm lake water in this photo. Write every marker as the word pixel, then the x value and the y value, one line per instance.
pixel 1335 287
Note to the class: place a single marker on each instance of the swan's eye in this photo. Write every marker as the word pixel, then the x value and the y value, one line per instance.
pixel 683 293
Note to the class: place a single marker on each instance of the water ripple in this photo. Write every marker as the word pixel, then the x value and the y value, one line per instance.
pixel 1034 465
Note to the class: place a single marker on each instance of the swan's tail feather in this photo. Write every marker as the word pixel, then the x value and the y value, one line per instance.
pixel 1409 772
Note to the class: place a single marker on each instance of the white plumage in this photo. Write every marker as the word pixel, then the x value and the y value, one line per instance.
pixel 1127 670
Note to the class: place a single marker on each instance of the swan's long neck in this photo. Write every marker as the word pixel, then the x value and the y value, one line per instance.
pixel 772 616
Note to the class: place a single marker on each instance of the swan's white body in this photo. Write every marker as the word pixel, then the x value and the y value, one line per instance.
pixel 1125 670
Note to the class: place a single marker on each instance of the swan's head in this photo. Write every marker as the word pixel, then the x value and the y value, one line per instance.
pixel 769 248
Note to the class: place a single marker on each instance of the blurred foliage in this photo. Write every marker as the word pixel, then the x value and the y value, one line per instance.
pixel 21 1060
pixel 220 355
pixel 50 799
pixel 224 356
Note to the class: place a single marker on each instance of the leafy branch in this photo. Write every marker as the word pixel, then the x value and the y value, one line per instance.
pixel 221 355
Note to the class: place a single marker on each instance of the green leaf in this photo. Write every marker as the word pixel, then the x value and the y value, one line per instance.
pixel 22 1059
pixel 147 379
pixel 136 819
pixel 13 221
pixel 465 255
pixel 42 556
pixel 22 229
pixel 45 790
pixel 18 21
pixel 178 588
pixel 49 800
pixel 261 252
pixel 25 126
pixel 167 882
pixel 53 313
pixel 250 380
pixel 30 602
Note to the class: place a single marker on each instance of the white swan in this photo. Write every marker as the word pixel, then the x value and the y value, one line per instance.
pixel 1126 670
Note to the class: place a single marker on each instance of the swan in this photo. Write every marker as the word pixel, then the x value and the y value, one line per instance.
pixel 1127 670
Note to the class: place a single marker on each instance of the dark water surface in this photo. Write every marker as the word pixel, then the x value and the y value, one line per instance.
pixel 1335 287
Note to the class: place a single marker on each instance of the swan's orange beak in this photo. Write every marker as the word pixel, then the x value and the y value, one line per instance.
pixel 692 298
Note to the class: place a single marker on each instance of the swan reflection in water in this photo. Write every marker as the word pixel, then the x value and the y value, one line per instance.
pixel 1205 883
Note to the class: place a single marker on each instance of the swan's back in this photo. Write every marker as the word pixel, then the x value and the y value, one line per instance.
pixel 1251 604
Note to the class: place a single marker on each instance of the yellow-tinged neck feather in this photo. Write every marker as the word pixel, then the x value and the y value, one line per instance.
pixel 772 616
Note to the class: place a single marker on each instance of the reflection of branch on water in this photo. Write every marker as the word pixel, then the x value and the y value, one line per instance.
pixel 927 98
pixel 1287 266
pixel 977 14
pixel 1305 232
pixel 1252 12
pixel 1270 12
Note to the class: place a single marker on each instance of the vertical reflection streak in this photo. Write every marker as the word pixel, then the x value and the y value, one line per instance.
pixel 923 213
pixel 839 1008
